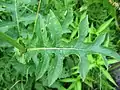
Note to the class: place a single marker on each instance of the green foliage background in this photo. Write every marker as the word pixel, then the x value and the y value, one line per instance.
pixel 58 44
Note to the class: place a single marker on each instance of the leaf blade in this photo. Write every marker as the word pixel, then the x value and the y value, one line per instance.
pixel 56 69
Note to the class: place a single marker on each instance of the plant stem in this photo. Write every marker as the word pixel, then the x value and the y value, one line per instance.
pixel 14 84
pixel 16 14
pixel 12 42
pixel 51 48
pixel 100 79
pixel 37 14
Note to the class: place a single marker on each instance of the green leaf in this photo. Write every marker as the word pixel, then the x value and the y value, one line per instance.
pixel 19 57
pixel 25 1
pixel 54 28
pixel 28 19
pixel 77 47
pixel 67 21
pixel 83 63
pixel 106 51
pixel 96 47
pixel 99 40
pixel 107 75
pixel 104 26
pixel 43 59
pixel 72 86
pixel 35 58
pixel 79 86
pixel 12 42
pixel 2 9
pixel 83 30
pixel 106 43
pixel 44 65
pixel 39 86
pixel 68 80
pixel 89 83
pixel 105 61
pixel 4 26
pixel 83 16
pixel 56 69
pixel 41 32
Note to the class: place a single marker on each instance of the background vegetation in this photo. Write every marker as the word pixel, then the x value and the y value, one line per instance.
pixel 59 44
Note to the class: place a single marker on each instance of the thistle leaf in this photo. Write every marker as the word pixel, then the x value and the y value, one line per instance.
pixel 56 68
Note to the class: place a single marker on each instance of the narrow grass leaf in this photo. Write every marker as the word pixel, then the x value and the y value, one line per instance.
pixel 107 75
pixel 79 86
pixel 104 26
pixel 12 42
pixel 68 80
